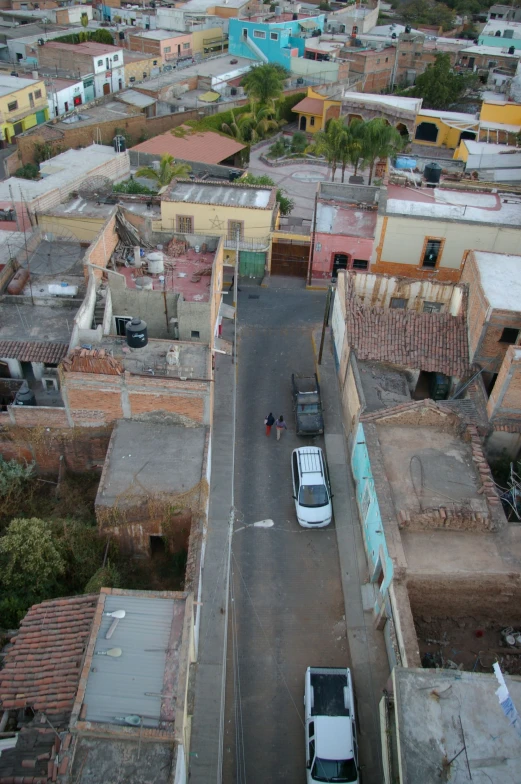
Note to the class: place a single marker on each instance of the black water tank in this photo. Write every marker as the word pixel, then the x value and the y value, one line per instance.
pixel 137 334
pixel 407 28
pixel 25 396
pixel 511 49
pixel 119 143
pixel 432 173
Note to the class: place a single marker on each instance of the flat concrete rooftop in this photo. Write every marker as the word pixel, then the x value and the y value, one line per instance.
pixel 500 277
pixel 428 468
pixel 230 195
pixel 213 66
pixel 444 204
pixel 151 360
pixel 20 320
pixel 383 385
pixel 148 460
pixel 445 715
pixel 96 759
pixel 345 219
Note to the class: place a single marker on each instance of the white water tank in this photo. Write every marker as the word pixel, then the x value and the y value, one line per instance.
pixel 156 262
pixel 62 290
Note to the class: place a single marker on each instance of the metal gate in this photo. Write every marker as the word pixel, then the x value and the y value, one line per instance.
pixel 290 257
pixel 251 264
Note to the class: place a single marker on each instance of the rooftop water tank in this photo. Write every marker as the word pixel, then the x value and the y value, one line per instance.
pixel 137 333
pixel 432 173
pixel 25 396
pixel 156 263
pixel 119 143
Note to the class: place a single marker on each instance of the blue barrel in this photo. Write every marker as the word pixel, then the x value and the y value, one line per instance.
pixel 405 163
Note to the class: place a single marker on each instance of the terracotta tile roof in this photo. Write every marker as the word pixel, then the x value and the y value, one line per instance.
pixel 421 341
pixel 36 759
pixel 42 668
pixel 411 405
pixel 309 106
pixel 29 351
pixel 205 147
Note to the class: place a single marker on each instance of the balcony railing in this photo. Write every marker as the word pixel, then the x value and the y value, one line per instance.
pixel 172 56
pixel 247 243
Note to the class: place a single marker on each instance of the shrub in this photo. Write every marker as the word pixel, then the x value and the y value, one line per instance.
pixel 278 149
pixel 133 186
pixel 106 577
pixel 15 479
pixel 28 172
pixel 299 142
pixel 30 559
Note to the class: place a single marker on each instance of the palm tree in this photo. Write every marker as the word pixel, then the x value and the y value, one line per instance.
pixel 168 170
pixel 356 130
pixel 331 143
pixel 233 128
pixel 253 126
pixel 380 140
pixel 263 84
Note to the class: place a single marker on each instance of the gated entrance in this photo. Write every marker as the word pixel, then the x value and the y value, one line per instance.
pixel 290 257
pixel 251 264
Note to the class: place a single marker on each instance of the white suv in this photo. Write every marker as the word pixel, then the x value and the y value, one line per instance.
pixel 311 487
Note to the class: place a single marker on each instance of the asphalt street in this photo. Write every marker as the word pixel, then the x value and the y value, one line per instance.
pixel 287 606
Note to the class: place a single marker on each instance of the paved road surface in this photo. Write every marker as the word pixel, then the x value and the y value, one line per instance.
pixel 287 607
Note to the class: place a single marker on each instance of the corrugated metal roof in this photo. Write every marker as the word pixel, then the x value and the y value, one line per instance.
pixel 119 687
pixel 136 98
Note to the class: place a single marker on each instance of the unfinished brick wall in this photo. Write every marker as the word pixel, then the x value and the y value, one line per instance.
pixel 488 596
pixel 102 248
pixel 485 325
pixel 44 443
pixel 94 399
pixel 505 398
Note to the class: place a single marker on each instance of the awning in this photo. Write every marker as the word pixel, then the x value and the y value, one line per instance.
pixel 308 24
pixel 209 97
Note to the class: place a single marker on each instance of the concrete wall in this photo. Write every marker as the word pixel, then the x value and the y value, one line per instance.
pixel 328 71
pixel 154 307
pixel 400 242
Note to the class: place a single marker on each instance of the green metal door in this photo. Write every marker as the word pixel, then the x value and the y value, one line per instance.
pixel 251 264
pixel 40 117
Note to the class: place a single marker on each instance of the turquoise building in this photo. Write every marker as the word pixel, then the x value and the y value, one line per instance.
pixel 276 41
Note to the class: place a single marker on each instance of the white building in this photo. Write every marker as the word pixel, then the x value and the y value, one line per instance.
pixel 64 95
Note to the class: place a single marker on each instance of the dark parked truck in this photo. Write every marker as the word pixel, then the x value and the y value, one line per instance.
pixel 331 749
pixel 307 405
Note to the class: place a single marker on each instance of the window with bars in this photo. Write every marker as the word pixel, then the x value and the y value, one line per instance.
pixel 13 106
pixel 37 94
pixel 233 228
pixel 431 254
pixel 185 224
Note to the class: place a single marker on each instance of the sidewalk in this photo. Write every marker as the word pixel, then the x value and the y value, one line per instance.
pixel 368 656
pixel 207 738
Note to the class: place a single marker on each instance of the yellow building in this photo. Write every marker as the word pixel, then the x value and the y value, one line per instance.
pixel 420 235
pixel 435 128
pixel 212 40
pixel 315 110
pixel 23 104
pixel 499 121
pixel 245 215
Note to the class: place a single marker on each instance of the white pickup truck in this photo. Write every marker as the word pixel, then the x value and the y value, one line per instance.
pixel 331 748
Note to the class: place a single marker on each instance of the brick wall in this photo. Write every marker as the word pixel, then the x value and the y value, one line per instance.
pixel 64 59
pixel 94 399
pixel 485 325
pixel 375 67
pixel 39 440
pixel 505 398
pixel 147 45
pixel 136 126
pixel 498 596
pixel 101 249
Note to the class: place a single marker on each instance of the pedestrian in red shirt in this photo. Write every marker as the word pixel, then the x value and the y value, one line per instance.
pixel 269 422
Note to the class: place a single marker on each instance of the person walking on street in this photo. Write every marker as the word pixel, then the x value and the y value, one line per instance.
pixel 280 425
pixel 269 422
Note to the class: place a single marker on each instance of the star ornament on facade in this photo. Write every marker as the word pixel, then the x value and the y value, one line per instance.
pixel 216 223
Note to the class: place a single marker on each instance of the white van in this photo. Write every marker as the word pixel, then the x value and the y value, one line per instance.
pixel 311 487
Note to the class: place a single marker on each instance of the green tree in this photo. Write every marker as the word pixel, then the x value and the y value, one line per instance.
pixel 380 140
pixel 331 142
pixel 15 479
pixel 30 560
pixel 286 204
pixel 168 170
pixel 102 36
pixel 439 86
pixel 299 142
pixel 84 19
pixel 263 84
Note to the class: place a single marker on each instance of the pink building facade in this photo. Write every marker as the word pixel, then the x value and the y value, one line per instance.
pixel 344 230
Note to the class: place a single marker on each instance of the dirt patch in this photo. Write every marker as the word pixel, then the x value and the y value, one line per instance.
pixel 470 644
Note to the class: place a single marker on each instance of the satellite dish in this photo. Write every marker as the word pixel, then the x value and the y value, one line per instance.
pixel 95 188
pixel 115 653
pixel 116 614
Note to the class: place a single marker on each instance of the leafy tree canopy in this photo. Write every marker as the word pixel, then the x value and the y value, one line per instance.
pixel 439 86
pixel 264 83
pixel 30 560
